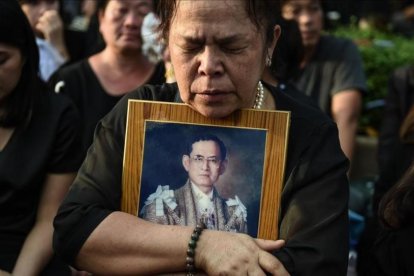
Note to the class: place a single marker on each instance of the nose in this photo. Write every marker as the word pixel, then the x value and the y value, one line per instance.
pixel 210 62
pixel 305 18
pixel 205 165
pixel 133 19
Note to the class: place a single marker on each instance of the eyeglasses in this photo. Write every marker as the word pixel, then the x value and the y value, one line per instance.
pixel 211 161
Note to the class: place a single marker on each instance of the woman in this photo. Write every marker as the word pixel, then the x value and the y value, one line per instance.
pixel 96 84
pixel 395 149
pixel 219 54
pixel 56 44
pixel 38 154
pixel 393 249
pixel 396 155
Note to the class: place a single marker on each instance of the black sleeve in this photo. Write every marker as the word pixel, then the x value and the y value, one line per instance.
pixel 391 122
pixel 389 140
pixel 314 212
pixel 66 156
pixel 96 191
pixel 349 73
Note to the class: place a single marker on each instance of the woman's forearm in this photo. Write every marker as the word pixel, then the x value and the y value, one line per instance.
pixel 37 250
pixel 138 247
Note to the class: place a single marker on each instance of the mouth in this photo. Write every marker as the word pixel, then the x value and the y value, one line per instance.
pixel 131 36
pixel 212 95
pixel 308 34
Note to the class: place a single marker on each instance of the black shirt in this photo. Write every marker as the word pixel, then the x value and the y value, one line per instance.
pixel 80 83
pixel 48 144
pixel 314 204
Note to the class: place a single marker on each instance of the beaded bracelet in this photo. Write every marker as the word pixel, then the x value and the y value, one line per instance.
pixel 192 244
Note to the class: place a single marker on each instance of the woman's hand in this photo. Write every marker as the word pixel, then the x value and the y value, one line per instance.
pixel 51 26
pixel 222 253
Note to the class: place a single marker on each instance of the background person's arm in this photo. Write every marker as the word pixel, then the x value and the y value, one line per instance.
pixel 37 249
pixel 345 109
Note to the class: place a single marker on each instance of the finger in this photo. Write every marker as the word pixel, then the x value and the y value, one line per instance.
pixel 40 27
pixel 271 264
pixel 51 14
pixel 270 245
pixel 257 271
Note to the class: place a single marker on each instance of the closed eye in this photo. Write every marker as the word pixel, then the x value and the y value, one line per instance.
pixel 191 49
pixel 3 59
pixel 233 50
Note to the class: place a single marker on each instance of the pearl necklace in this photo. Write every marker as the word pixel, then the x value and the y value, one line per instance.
pixel 259 100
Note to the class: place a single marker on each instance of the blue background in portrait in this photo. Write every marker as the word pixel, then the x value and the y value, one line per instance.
pixel 165 143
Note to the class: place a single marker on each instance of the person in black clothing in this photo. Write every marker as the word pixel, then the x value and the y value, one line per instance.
pixel 331 71
pixel 394 246
pixel 395 155
pixel 219 51
pixel 97 83
pixel 38 152
pixel 395 150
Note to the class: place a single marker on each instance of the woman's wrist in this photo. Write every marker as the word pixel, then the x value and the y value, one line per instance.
pixel 191 250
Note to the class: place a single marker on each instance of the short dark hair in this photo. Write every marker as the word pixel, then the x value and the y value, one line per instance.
pixel 288 53
pixel 207 137
pixel 34 2
pixel 101 4
pixel 283 2
pixel 264 14
pixel 15 30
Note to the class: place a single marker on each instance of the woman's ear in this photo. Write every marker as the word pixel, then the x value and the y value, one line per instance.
pixel 276 34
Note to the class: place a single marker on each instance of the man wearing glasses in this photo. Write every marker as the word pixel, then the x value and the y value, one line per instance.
pixel 198 200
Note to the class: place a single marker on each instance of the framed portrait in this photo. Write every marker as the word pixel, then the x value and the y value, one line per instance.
pixel 181 167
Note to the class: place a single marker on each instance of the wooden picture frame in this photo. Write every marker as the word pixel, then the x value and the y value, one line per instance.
pixel 275 125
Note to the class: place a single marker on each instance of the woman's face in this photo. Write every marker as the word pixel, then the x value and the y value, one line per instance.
pixel 218 56
pixel 120 23
pixel 11 64
pixel 35 11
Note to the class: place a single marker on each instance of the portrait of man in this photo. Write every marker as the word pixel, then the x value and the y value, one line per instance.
pixel 198 200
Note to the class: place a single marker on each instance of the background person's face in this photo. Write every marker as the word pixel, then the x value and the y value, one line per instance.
pixel 218 56
pixel 309 15
pixel 35 11
pixel 11 64
pixel 120 24
pixel 204 174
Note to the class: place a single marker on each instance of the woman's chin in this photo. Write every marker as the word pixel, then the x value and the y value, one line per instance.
pixel 214 112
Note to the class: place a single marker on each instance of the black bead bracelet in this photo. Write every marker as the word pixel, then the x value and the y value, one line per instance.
pixel 192 244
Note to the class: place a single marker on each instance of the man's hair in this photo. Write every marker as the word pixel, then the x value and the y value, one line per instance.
pixel 207 137
pixel 283 2
pixel 288 53
pixel 34 2
pixel 264 14
pixel 102 4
